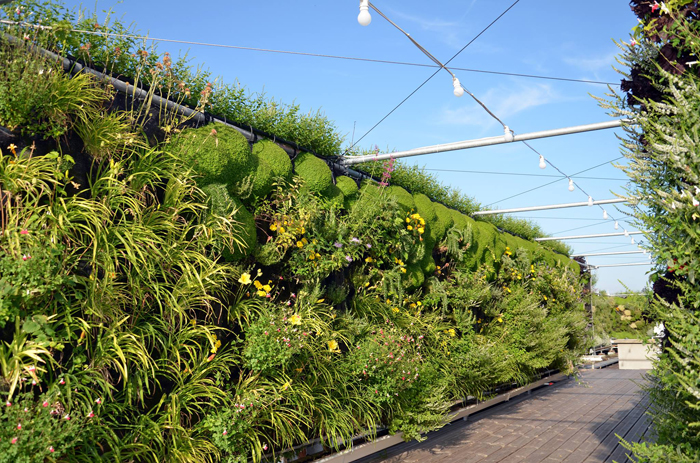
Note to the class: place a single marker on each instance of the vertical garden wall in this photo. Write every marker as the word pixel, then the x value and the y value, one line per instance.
pixel 660 94
pixel 173 292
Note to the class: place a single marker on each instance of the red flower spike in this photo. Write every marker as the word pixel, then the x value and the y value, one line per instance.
pixel 13 441
pixel 655 7
pixel 24 231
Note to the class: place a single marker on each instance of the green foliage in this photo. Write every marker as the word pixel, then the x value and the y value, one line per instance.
pixel 663 158
pixel 221 206
pixel 357 308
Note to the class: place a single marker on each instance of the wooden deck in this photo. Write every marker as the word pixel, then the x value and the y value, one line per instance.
pixel 571 421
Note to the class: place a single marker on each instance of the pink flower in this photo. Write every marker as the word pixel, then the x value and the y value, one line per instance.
pixel 45 404
pixel 66 417
pixel 24 231
pixel 19 425
pixel 51 450
pixel 224 433
pixel 13 441
pixel 265 447
pixel 91 414
pixel 61 382
pixel 98 401
pixel 8 404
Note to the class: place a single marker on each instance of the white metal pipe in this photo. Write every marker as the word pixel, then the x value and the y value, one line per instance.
pixel 607 253
pixel 600 235
pixel 466 144
pixel 552 206
pixel 621 265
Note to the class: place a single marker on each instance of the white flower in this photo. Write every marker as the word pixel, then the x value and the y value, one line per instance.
pixel 41 71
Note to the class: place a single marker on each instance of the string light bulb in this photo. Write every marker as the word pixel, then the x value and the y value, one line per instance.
pixel 627 233
pixel 459 91
pixel 364 18
pixel 543 164
pixel 590 201
pixel 617 226
pixel 605 214
pixel 571 185
pixel 632 240
pixel 507 134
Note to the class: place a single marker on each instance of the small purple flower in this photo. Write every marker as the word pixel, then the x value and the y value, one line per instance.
pixel 369 246
pixel 348 258
pixel 337 245
pixel 354 240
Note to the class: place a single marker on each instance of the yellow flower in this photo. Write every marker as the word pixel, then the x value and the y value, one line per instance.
pixel 368 260
pixel 545 298
pixel 409 227
pixel 333 346
pixel 396 309
pixel 281 229
pixel 421 230
pixel 412 305
pixel 366 284
pixel 12 148
pixel 408 220
pixel 304 240
pixel 419 303
pixel 500 320
pixel 245 279
pixel 451 332
pixel 320 301
pixel 403 269
pixel 312 256
pixel 262 293
pixel 273 226
pixel 257 284
pixel 300 244
pixel 267 288
pixel 295 319
pixel 422 222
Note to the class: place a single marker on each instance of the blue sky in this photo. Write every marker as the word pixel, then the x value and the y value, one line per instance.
pixel 549 38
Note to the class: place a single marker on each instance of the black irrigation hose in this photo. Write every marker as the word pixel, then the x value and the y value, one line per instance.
pixel 75 67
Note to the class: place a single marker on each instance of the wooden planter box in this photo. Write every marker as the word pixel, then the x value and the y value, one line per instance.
pixel 635 355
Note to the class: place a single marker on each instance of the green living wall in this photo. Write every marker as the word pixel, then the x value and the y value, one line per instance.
pixel 174 293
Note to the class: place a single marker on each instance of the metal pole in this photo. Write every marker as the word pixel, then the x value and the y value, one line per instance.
pixel 622 265
pixel 553 206
pixel 601 235
pixel 466 144
pixel 606 253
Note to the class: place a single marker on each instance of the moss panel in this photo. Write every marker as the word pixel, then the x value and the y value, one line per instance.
pixel 414 277
pixel 347 186
pixel 218 153
pixel 269 152
pixel 443 221
pixel 403 198
pixel 335 195
pixel 315 172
